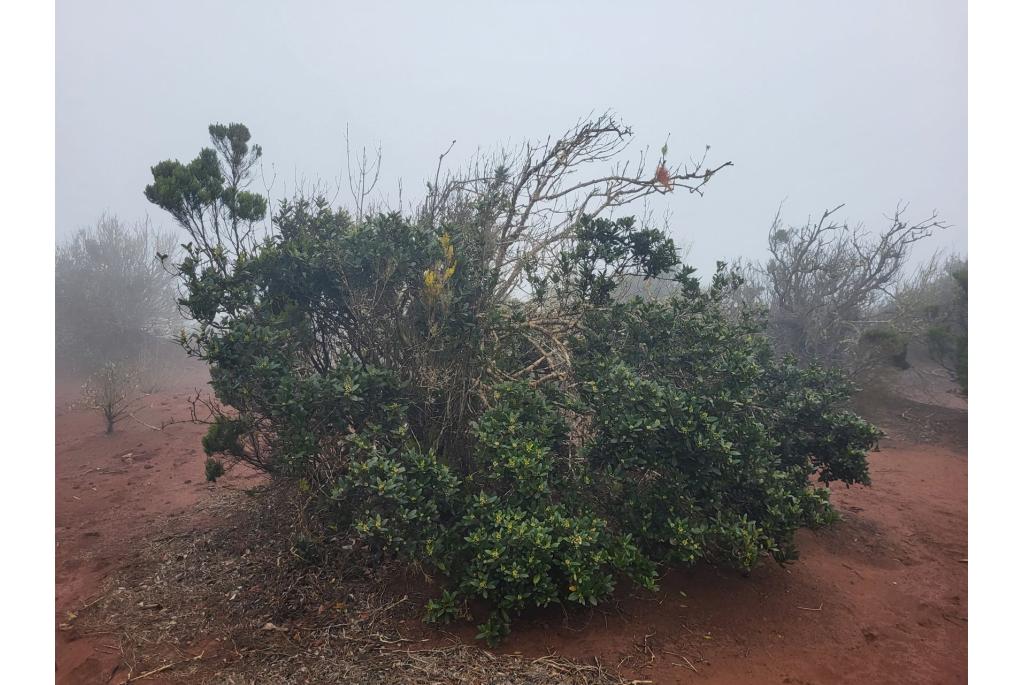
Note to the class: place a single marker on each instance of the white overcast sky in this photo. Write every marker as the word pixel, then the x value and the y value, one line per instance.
pixel 817 103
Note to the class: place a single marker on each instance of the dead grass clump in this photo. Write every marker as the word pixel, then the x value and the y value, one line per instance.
pixel 236 604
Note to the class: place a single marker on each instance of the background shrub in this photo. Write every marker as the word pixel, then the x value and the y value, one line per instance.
pixel 115 302
pixel 113 391
pixel 833 294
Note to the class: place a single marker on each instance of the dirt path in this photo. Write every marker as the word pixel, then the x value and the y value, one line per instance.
pixel 111 491
pixel 879 598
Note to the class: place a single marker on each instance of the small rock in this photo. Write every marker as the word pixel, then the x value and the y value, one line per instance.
pixel 270 626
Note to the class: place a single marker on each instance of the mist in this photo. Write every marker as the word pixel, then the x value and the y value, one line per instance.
pixel 816 104
pixel 529 342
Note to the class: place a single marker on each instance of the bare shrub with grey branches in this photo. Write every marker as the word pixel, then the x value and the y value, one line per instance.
pixel 539 192
pixel 828 289
pixel 519 210
pixel 113 391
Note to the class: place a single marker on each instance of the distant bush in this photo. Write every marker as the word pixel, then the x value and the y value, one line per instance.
pixel 933 306
pixel 115 302
pixel 826 291
pixel 468 388
pixel 113 391
pixel 214 469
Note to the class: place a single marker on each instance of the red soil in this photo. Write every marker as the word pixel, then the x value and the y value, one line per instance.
pixel 113 490
pixel 878 598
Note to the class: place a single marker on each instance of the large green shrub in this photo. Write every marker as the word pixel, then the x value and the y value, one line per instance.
pixel 532 445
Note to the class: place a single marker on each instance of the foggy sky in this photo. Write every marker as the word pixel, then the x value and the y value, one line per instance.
pixel 816 103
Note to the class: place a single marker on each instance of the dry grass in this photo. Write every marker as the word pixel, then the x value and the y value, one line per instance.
pixel 234 604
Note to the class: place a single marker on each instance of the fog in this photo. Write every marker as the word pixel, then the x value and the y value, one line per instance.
pixel 531 390
pixel 815 103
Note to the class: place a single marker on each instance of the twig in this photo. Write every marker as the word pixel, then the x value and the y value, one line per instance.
pixel 164 668
pixel 688 663
pixel 98 598
pixel 810 609
pixel 143 422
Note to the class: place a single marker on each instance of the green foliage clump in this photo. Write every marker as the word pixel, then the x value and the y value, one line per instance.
pixel 887 344
pixel 224 436
pixel 214 469
pixel 395 497
pixel 531 450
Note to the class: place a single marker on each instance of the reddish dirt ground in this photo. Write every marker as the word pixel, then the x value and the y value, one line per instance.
pixel 111 491
pixel 878 598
